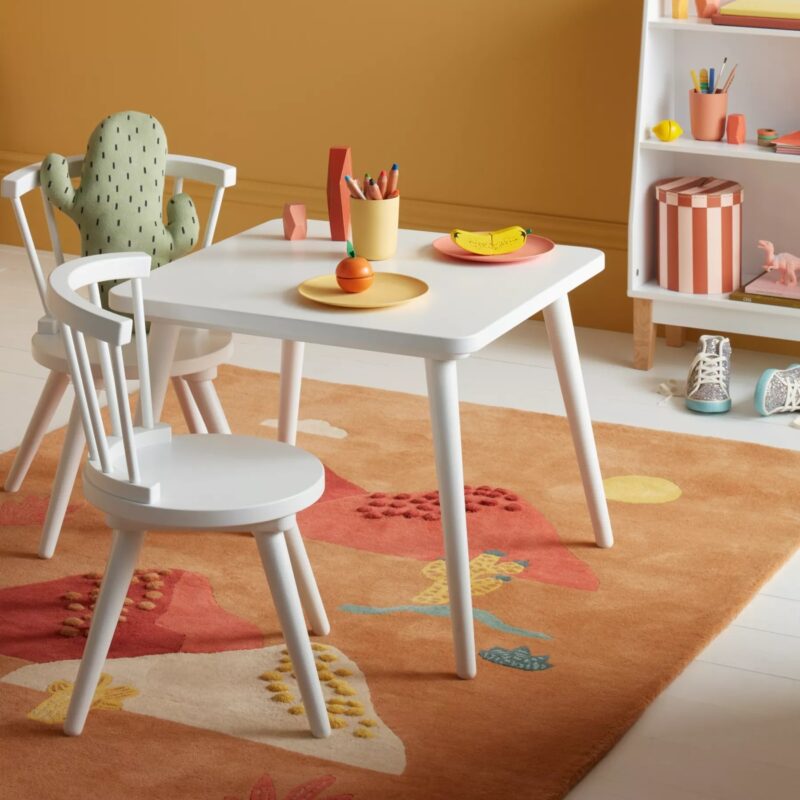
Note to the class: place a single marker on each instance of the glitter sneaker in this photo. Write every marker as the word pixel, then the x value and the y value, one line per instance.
pixel 708 387
pixel 778 390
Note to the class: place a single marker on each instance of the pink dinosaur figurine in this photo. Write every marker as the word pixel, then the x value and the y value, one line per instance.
pixel 788 264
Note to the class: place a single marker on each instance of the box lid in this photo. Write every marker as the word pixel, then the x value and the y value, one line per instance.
pixel 697 192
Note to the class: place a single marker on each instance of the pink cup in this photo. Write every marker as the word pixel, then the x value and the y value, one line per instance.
pixel 708 113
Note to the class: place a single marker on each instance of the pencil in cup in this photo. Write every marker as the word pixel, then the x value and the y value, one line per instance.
pixel 354 188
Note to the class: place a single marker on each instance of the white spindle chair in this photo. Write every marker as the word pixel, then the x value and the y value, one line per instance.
pixel 146 478
pixel 197 356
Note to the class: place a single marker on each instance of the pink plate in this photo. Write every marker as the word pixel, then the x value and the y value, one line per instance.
pixel 533 247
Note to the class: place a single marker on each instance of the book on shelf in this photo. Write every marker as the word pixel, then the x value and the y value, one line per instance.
pixel 767 289
pixel 788 145
pixel 760 14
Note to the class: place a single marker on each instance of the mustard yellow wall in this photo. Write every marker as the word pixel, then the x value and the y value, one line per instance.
pixel 498 112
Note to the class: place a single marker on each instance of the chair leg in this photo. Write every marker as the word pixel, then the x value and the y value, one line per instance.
pixel 208 403
pixel 68 464
pixel 49 399
pixel 307 584
pixel 188 406
pixel 125 549
pixel 278 568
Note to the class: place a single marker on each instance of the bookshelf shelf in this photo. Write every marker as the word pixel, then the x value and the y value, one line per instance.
pixel 767 92
pixel 748 150
pixel 693 25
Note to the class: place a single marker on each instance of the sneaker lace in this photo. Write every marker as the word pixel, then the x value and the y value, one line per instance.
pixel 708 369
pixel 792 394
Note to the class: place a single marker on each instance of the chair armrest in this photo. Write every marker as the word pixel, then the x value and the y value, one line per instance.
pixel 21 181
pixel 201 169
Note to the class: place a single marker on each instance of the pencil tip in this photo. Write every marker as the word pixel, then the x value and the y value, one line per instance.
pixel 394 166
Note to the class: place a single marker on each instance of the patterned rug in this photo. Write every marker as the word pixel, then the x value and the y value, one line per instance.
pixel 199 700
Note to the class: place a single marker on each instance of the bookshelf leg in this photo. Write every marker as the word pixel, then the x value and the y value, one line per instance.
pixel 644 334
pixel 675 334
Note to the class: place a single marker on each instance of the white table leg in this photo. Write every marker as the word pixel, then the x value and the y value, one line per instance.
pixel 445 421
pixel 560 331
pixel 161 343
pixel 291 381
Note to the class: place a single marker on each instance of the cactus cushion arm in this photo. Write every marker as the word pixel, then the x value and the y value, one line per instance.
pixel 56 183
pixel 119 203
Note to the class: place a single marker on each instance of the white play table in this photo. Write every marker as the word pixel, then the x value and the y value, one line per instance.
pixel 248 284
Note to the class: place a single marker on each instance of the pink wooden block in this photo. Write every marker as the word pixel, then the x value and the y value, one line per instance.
pixel 294 221
pixel 707 8
pixel 339 165
pixel 736 129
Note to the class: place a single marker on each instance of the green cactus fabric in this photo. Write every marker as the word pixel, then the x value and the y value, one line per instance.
pixel 118 205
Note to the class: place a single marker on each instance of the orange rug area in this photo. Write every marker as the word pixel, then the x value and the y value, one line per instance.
pixel 199 700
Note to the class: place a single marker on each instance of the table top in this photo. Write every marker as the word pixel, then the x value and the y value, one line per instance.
pixel 248 284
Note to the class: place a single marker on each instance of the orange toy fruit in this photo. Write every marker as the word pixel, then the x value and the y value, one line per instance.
pixel 354 274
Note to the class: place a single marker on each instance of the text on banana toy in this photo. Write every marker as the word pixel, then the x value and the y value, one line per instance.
pixel 490 243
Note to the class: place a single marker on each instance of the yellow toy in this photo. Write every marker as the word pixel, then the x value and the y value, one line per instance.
pixel 491 243
pixel 668 130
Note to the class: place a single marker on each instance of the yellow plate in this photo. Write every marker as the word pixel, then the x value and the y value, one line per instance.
pixel 388 289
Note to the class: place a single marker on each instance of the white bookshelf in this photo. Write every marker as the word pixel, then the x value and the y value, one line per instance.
pixel 767 91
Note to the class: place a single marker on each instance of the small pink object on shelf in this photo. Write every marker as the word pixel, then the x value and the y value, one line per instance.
pixel 699 235
pixel 707 8
pixel 339 165
pixel 786 263
pixel 736 129
pixel 294 221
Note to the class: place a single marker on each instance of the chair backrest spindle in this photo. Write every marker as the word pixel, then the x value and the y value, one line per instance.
pixel 30 249
pixel 131 458
pixel 106 370
pixel 213 216
pixel 80 395
pixel 52 229
pixel 87 380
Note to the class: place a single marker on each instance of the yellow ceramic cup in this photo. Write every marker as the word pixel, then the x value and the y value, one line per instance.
pixel 375 224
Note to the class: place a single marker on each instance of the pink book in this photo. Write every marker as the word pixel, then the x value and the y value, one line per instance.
pixel 770 285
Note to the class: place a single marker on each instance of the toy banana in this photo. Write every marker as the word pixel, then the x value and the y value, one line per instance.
pixel 491 243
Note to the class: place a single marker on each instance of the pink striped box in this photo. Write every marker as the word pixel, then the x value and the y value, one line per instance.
pixel 699 235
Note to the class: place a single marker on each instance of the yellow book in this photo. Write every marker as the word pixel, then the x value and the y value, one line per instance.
pixel 773 9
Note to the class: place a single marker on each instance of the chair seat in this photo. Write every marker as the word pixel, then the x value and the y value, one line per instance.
pixel 212 481
pixel 197 350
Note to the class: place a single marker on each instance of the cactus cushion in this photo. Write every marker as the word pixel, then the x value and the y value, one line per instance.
pixel 118 205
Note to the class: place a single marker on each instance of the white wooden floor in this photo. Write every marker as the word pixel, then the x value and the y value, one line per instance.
pixel 729 727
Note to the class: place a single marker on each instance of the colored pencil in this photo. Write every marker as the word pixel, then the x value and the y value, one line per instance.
pixel 394 177
pixel 373 192
pixel 354 188
pixel 695 81
pixel 382 182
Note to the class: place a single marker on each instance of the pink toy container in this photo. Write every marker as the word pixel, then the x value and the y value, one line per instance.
pixel 699 235
pixel 708 113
